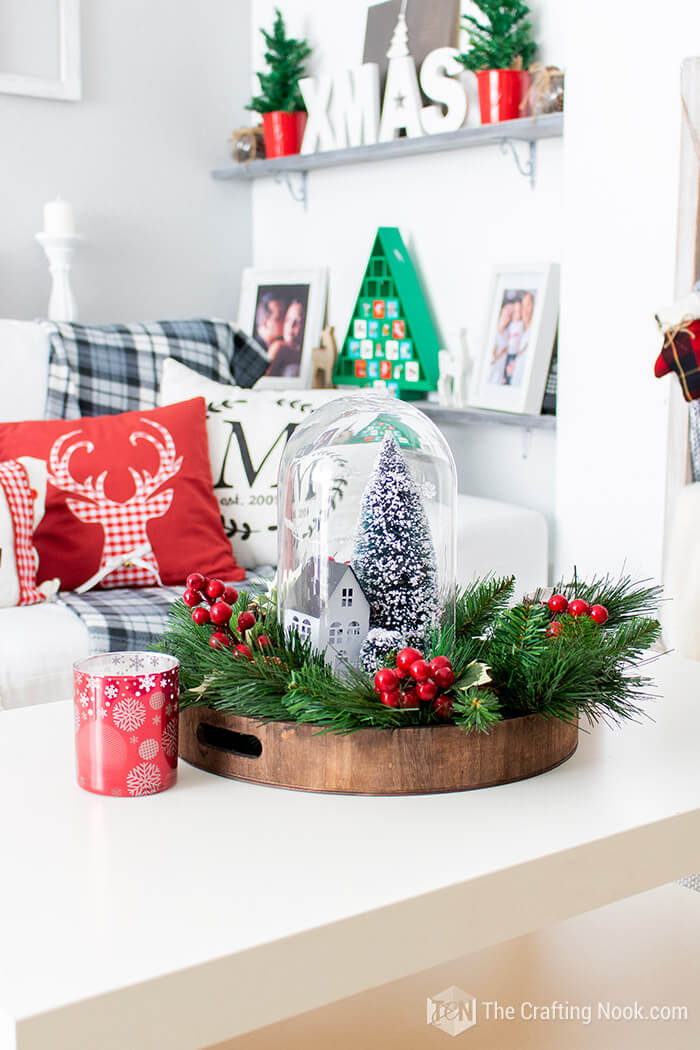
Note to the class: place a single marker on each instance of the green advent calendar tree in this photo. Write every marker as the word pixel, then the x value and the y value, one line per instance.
pixel 391 342
pixel 502 39
pixel 394 558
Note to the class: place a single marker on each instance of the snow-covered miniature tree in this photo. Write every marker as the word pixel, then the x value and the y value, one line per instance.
pixel 379 648
pixel 394 558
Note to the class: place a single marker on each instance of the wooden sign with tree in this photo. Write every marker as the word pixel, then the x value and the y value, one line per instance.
pixel 391 342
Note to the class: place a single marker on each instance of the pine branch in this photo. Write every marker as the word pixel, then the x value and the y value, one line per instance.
pixel 621 597
pixel 631 639
pixel 478 605
pixel 501 38
pixel 582 672
pixel 477 710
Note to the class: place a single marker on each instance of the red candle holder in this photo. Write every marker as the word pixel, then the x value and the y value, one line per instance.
pixel 125 709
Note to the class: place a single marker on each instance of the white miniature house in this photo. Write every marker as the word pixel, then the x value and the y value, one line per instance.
pixel 337 626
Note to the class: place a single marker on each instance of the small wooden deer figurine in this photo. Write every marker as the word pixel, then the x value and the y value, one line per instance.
pixel 323 359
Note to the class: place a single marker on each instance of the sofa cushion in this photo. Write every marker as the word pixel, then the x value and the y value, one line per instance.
pixel 500 539
pixel 248 431
pixel 22 504
pixel 24 363
pixel 38 645
pixel 119 482
pixel 104 369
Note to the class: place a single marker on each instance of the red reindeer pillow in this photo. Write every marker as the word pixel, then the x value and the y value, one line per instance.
pixel 137 482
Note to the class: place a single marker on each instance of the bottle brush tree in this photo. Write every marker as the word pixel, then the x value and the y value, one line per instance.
pixel 285 58
pixel 394 558
pixel 502 39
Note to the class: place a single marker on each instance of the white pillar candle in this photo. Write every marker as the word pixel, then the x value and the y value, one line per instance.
pixel 58 217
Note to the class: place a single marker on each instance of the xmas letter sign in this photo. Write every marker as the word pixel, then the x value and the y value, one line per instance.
pixel 344 110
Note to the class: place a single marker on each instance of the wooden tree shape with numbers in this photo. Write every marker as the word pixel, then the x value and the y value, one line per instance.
pixel 391 342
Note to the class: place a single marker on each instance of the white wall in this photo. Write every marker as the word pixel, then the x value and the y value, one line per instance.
pixel 605 206
pixel 164 85
pixel 621 177
pixel 459 213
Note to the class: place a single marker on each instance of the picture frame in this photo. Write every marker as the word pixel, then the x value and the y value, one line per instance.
pixel 284 310
pixel 67 86
pixel 520 330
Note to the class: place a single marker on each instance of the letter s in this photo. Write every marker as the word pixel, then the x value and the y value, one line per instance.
pixel 436 80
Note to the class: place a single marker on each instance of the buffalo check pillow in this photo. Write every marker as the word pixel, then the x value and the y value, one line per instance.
pixel 99 370
pixel 22 500
pixel 135 484
pixel 247 431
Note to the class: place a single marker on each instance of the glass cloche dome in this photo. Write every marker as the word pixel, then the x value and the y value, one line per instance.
pixel 367 524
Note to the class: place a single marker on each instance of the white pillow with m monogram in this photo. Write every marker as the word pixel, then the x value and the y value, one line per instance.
pixel 247 431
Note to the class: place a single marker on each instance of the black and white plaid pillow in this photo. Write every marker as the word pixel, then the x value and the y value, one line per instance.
pixel 97 370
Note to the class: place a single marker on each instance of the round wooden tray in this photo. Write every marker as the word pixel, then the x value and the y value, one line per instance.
pixel 412 761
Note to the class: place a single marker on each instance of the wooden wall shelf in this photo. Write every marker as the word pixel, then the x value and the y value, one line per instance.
pixel 526 130
pixel 463 416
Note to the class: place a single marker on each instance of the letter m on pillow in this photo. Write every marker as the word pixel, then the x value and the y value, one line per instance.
pixel 251 471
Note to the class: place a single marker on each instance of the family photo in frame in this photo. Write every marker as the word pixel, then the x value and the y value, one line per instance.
pixel 511 373
pixel 284 312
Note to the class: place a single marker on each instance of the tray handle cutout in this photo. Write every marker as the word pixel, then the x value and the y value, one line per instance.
pixel 244 744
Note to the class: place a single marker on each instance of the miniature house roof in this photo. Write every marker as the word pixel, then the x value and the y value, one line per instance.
pixel 304 595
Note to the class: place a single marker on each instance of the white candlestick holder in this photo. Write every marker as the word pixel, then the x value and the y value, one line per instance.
pixel 60 249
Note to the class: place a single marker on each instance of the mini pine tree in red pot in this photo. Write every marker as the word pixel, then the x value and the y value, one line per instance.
pixel 501 49
pixel 280 102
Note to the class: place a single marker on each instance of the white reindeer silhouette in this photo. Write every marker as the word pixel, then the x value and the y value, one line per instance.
pixel 124 524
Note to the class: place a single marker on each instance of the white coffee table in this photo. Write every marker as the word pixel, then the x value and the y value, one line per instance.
pixel 217 908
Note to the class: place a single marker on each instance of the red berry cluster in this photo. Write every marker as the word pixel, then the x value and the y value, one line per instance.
pixel 416 681
pixel 559 604
pixel 211 601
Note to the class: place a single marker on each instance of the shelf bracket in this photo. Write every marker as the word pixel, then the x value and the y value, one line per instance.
pixel 529 168
pixel 297 191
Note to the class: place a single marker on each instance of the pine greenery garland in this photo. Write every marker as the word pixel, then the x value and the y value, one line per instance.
pixel 504 661
pixel 285 58
pixel 501 41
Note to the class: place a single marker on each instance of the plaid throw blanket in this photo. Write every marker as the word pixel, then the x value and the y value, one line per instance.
pixel 97 370
pixel 122 620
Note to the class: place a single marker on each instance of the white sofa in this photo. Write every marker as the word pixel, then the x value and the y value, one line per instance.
pixel 39 643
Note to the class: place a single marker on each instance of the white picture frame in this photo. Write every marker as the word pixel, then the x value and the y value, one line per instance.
pixel 274 305
pixel 67 86
pixel 520 328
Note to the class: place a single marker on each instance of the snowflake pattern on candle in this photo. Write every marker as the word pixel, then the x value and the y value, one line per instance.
pixel 148 749
pixel 170 738
pixel 129 714
pixel 144 779
pixel 122 751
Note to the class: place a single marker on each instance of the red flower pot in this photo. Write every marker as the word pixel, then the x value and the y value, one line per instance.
pixel 500 93
pixel 283 133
